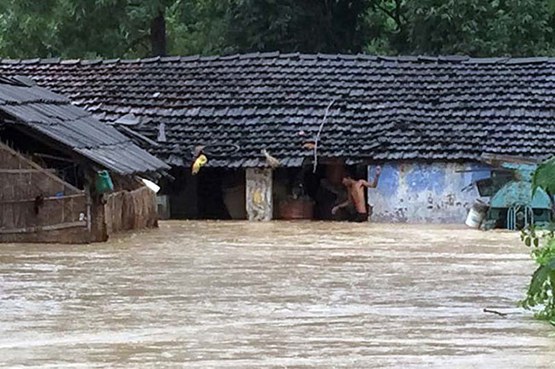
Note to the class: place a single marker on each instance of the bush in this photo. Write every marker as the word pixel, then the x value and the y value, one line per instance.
pixel 540 296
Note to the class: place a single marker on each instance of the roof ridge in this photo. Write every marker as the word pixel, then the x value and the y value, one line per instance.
pixel 459 59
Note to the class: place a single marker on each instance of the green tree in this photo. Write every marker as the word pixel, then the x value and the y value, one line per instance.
pixel 480 28
pixel 198 27
pixel 84 28
pixel 309 26
pixel 540 295
pixel 138 28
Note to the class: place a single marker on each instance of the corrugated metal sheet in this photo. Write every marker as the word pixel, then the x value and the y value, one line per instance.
pixel 53 116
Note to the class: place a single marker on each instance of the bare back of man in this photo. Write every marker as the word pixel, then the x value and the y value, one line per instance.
pixel 356 197
pixel 356 194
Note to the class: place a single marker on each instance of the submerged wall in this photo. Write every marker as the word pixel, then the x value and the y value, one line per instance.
pixel 124 210
pixel 425 193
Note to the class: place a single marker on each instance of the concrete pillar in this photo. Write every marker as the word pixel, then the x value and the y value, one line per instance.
pixel 259 194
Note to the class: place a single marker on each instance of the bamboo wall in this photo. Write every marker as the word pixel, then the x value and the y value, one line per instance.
pixel 123 211
pixel 57 216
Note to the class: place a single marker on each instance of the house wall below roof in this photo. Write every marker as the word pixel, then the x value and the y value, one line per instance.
pixel 425 193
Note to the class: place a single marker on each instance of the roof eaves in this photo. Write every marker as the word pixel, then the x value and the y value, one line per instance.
pixel 387 58
pixel 70 61
pixel 485 61
pixel 270 54
pixel 289 56
pixel 11 61
pixel 308 57
pixel 170 59
pixel 408 58
pixel 150 60
pixel 453 58
pixel 50 61
pixel 327 56
pixel 426 58
pixel 346 56
pixel 229 57
pixel 534 60
pixel 190 58
pixel 30 61
pixel 249 55
pixel 367 57
pixel 130 61
pixel 209 58
pixel 91 62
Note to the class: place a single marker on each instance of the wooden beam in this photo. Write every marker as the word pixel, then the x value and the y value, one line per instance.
pixel 23 171
pixel 53 227
pixel 36 166
pixel 497 158
pixel 54 157
pixel 52 198
pixel 138 135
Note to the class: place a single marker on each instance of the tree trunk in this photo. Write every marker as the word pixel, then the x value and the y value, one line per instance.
pixel 158 35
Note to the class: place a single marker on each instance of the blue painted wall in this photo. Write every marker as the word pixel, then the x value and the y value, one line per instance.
pixel 425 193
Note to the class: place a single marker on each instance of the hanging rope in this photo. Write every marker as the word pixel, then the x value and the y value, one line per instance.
pixel 318 135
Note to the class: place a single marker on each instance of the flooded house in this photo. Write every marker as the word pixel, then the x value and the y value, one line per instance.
pixel 65 177
pixel 270 134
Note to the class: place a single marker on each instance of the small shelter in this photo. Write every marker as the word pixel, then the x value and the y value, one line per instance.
pixel 65 176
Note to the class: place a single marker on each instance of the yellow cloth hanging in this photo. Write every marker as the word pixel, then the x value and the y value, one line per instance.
pixel 201 160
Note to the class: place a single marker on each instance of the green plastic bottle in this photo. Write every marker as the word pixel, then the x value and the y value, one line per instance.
pixel 104 182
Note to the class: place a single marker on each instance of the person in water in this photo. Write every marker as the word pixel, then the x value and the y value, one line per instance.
pixel 355 202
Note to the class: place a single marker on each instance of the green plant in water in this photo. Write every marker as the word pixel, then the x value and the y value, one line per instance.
pixel 540 292
pixel 540 296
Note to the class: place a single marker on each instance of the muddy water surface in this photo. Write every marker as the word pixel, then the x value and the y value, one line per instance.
pixel 273 295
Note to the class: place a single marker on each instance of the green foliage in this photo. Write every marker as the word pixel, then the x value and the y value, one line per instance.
pixel 297 25
pixel 104 28
pixel 541 291
pixel 544 176
pixel 67 28
pixel 481 28
pixel 123 28
pixel 197 27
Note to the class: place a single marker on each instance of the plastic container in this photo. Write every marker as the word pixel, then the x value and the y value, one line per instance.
pixel 476 215
pixel 104 182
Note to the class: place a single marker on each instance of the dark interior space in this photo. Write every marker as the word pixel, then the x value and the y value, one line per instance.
pixel 213 193
pixel 46 156
pixel 210 195
pixel 219 193
pixel 177 198
pixel 301 193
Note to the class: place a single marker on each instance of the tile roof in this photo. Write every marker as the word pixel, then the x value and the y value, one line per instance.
pixel 53 116
pixel 385 108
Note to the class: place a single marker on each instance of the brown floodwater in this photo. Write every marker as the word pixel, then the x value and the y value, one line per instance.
pixel 272 295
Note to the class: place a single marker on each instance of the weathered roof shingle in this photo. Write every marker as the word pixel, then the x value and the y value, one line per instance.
pixel 384 108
